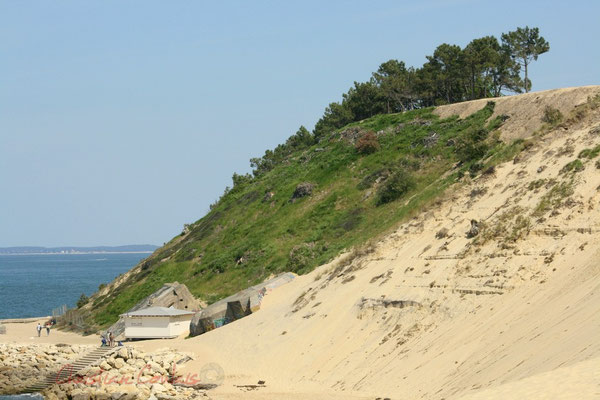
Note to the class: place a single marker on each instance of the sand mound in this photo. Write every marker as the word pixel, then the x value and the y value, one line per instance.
pixel 525 110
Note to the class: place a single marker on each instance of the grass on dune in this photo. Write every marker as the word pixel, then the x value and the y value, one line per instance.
pixel 250 234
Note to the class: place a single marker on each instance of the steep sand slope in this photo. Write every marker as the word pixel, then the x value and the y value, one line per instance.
pixel 423 313
pixel 579 381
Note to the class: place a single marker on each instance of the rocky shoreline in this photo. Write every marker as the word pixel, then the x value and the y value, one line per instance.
pixel 23 365
pixel 126 374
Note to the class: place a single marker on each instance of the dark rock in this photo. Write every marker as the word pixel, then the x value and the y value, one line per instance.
pixel 352 134
pixel 431 140
pixel 474 231
pixel 184 360
pixel 490 170
pixel 415 122
pixel 442 233
pixel 268 196
pixel 302 190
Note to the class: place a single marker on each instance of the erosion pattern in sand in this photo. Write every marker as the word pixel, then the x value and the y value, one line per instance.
pixel 516 309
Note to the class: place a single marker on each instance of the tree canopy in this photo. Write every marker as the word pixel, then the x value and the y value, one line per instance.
pixel 485 67
pixel 525 45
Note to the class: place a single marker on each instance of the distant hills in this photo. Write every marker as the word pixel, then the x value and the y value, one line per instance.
pixel 132 248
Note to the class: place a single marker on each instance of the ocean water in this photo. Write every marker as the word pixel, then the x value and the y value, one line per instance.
pixel 33 285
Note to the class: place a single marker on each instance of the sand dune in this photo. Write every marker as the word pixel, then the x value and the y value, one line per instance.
pixel 422 317
pixel 427 313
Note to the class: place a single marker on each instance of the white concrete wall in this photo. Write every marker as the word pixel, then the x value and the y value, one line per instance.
pixel 180 324
pixel 147 327
pixel 156 327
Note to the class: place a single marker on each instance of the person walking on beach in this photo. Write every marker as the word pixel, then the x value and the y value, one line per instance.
pixel 111 339
pixel 39 329
pixel 47 329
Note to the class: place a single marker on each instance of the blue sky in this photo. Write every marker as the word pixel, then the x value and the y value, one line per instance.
pixel 122 120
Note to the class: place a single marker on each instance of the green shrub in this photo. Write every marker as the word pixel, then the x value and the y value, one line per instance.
pixel 83 300
pixel 301 257
pixel 553 198
pixel 396 186
pixel 371 178
pixel 590 153
pixel 552 116
pixel 472 145
pixel 351 219
pixel 573 166
pixel 533 185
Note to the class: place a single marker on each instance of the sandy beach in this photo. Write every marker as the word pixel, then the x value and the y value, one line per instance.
pixel 24 332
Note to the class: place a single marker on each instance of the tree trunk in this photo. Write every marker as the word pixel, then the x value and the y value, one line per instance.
pixel 526 79
pixel 472 83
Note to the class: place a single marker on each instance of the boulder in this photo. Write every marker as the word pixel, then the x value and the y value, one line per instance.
pixel 158 388
pixel 474 230
pixel 268 196
pixel 442 233
pixel 80 394
pixel 119 363
pixel 352 134
pixel 102 396
pixel 105 366
pixel 302 190
pixel 123 353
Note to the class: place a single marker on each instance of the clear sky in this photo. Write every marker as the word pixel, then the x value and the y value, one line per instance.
pixel 122 120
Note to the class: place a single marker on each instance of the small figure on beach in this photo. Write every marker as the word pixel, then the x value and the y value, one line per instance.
pixel 47 329
pixel 39 329
pixel 104 342
pixel 111 339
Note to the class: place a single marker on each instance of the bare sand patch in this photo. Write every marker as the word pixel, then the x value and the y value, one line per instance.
pixel 525 110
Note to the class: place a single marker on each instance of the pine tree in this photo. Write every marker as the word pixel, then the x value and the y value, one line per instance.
pixel 525 46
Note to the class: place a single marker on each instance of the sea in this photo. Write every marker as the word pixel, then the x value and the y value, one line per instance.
pixel 34 285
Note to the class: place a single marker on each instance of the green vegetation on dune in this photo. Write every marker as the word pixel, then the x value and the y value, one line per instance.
pixel 311 199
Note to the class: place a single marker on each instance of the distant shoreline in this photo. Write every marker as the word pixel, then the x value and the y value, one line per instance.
pixel 76 253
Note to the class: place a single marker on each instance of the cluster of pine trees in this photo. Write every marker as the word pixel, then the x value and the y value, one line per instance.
pixel 486 67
